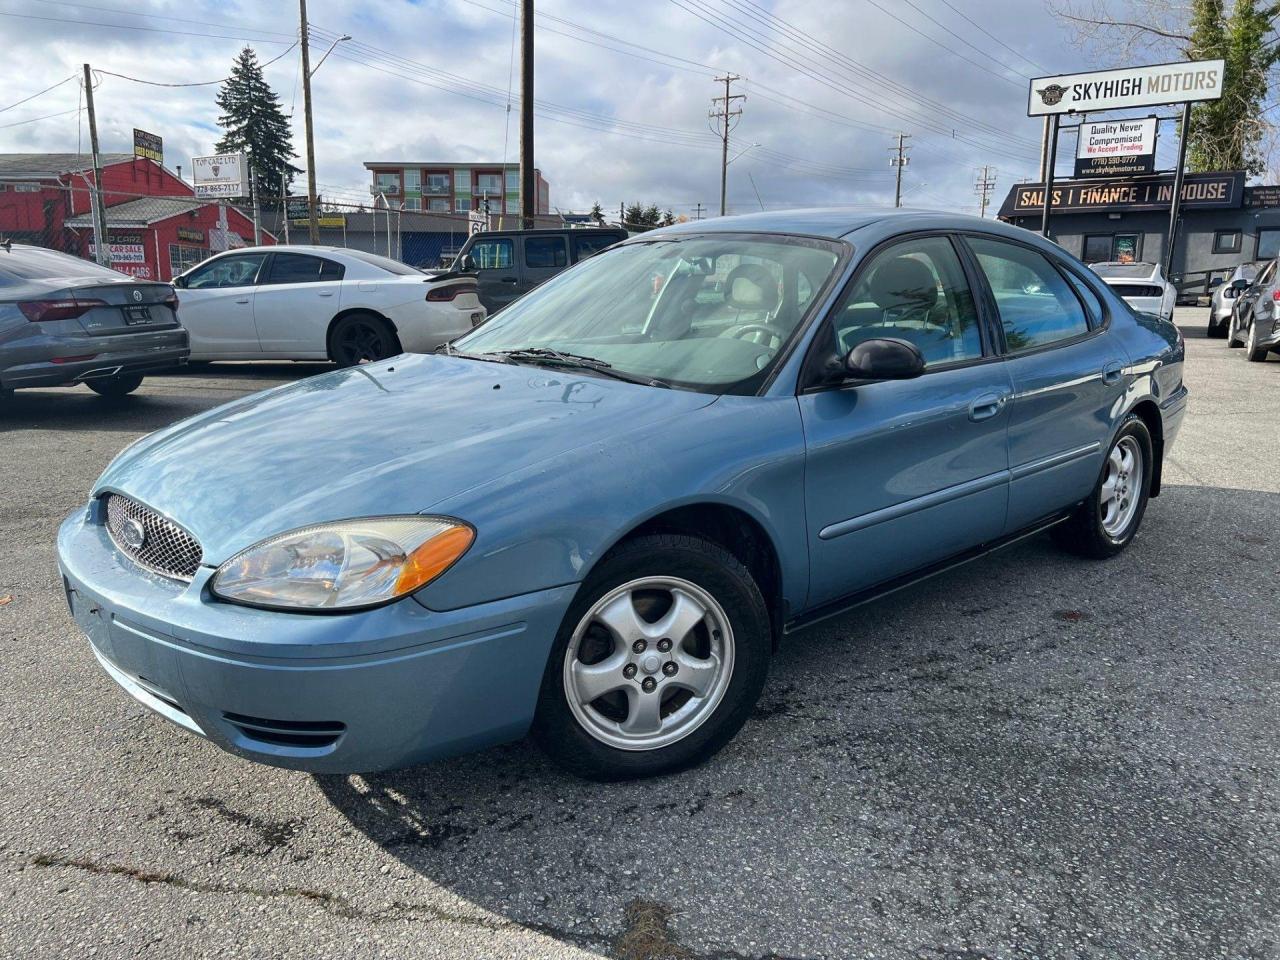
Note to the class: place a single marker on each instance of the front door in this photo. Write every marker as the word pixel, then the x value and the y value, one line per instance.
pixel 903 474
pixel 494 261
pixel 1068 375
pixel 544 257
pixel 215 304
pixel 298 296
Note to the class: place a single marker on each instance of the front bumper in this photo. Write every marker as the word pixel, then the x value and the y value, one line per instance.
pixel 341 693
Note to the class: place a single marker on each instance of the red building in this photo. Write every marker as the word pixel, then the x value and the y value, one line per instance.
pixel 156 227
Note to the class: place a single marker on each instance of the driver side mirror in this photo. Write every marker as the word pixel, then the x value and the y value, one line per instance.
pixel 466 264
pixel 884 359
pixel 179 282
pixel 1240 285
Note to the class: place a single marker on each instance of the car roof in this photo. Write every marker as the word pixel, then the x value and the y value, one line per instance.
pixel 836 223
pixel 551 230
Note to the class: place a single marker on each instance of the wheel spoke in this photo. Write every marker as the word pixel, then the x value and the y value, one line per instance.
pixel 621 619
pixel 644 712
pixel 1126 458
pixel 1117 462
pixel 1109 488
pixel 593 681
pixel 685 614
pixel 696 675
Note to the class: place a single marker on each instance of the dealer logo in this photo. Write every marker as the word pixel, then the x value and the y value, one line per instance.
pixel 134 534
pixel 1052 94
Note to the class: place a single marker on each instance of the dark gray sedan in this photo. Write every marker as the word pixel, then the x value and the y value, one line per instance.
pixel 64 320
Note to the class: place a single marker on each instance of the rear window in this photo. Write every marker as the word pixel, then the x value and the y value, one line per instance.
pixel 1131 271
pixel 384 263
pixel 587 243
pixel 36 263
pixel 542 252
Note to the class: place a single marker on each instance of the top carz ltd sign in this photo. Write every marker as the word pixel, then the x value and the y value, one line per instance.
pixel 1183 82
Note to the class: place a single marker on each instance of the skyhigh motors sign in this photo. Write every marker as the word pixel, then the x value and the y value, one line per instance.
pixel 1183 82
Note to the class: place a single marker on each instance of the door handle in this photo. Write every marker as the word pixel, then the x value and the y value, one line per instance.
pixel 987 406
pixel 509 280
pixel 1111 372
pixel 245 300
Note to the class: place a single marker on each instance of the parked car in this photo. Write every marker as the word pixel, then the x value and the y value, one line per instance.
pixel 1255 319
pixel 597 514
pixel 1142 285
pixel 320 303
pixel 64 320
pixel 510 263
pixel 1224 297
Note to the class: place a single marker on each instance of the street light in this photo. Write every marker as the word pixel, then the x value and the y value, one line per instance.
pixel 326 54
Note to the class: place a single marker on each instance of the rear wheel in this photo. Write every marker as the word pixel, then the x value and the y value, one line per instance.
pixel 1233 333
pixel 1108 519
pixel 118 386
pixel 362 338
pixel 1254 352
pixel 1216 329
pixel 659 661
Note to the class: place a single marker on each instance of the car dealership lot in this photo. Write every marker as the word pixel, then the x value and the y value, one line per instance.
pixel 1030 756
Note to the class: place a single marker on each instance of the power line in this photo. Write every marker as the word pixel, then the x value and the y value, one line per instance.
pixel 127 26
pixel 49 116
pixel 991 36
pixel 39 94
pixel 151 16
pixel 203 83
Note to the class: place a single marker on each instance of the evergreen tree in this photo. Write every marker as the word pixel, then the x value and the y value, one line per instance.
pixel 597 212
pixel 254 123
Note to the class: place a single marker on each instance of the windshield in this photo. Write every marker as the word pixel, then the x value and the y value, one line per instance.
pixel 709 313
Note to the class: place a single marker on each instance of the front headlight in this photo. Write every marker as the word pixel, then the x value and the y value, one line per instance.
pixel 343 565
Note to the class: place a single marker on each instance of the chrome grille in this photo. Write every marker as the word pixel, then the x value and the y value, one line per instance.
pixel 165 549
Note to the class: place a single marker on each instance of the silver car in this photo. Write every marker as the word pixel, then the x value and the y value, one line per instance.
pixel 1255 315
pixel 1142 285
pixel 64 320
pixel 1225 295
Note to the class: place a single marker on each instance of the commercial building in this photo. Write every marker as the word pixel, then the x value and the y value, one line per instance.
pixel 156 227
pixel 454 187
pixel 1221 224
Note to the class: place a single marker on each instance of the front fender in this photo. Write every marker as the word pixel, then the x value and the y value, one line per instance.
pixel 547 525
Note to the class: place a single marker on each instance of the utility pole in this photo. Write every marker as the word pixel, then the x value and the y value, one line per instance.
pixel 314 224
pixel 899 160
pixel 103 251
pixel 284 203
pixel 528 179
pixel 257 210
pixel 697 211
pixel 983 185
pixel 724 113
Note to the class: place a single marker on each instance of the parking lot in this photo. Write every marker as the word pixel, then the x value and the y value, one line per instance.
pixel 1033 756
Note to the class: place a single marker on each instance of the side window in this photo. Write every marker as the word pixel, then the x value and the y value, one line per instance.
pixel 914 291
pixel 545 252
pixel 301 268
pixel 586 244
pixel 236 271
pixel 495 254
pixel 1037 306
pixel 1091 302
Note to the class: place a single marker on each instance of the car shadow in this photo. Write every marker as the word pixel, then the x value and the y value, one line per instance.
pixel 1033 753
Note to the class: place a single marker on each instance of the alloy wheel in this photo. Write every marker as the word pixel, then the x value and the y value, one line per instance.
pixel 648 663
pixel 361 342
pixel 1121 487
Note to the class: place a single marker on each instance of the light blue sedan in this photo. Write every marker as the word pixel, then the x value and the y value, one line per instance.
pixel 597 515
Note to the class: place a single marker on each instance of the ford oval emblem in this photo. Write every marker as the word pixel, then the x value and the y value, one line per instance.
pixel 137 296
pixel 134 534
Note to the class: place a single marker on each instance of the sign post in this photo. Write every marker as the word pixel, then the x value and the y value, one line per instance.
pixel 1186 83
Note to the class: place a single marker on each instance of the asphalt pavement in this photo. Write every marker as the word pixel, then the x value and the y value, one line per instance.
pixel 1032 756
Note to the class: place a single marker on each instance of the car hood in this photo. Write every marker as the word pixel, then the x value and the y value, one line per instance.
pixel 393 437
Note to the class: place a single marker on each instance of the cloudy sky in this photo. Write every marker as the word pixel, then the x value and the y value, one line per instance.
pixel 623 89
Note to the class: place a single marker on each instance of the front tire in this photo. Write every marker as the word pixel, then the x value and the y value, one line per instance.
pixel 1108 520
pixel 658 663
pixel 362 338
pixel 115 387
pixel 1215 330
pixel 1233 330
pixel 1253 352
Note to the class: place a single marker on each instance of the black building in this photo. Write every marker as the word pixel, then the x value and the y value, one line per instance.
pixel 1221 224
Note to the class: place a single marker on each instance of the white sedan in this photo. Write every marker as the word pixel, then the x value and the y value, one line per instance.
pixel 320 303
pixel 1141 285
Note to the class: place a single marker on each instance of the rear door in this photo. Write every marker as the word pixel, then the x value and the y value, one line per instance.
pixel 1068 371
pixel 216 306
pixel 498 276
pixel 297 296
pixel 544 255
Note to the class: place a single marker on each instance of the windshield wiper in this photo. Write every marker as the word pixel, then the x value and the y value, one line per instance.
pixel 449 350
pixel 559 358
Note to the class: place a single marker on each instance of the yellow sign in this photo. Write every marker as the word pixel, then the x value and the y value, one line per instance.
pixel 339 221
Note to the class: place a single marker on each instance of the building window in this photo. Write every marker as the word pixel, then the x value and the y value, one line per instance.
pixel 488 184
pixel 413 203
pixel 462 181
pixel 1097 249
pixel 1112 248
pixel 513 205
pixel 387 182
pixel 462 205
pixel 513 180
pixel 183 258
pixel 412 180
pixel 438 205
pixel 436 183
pixel 1268 244
pixel 1226 241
